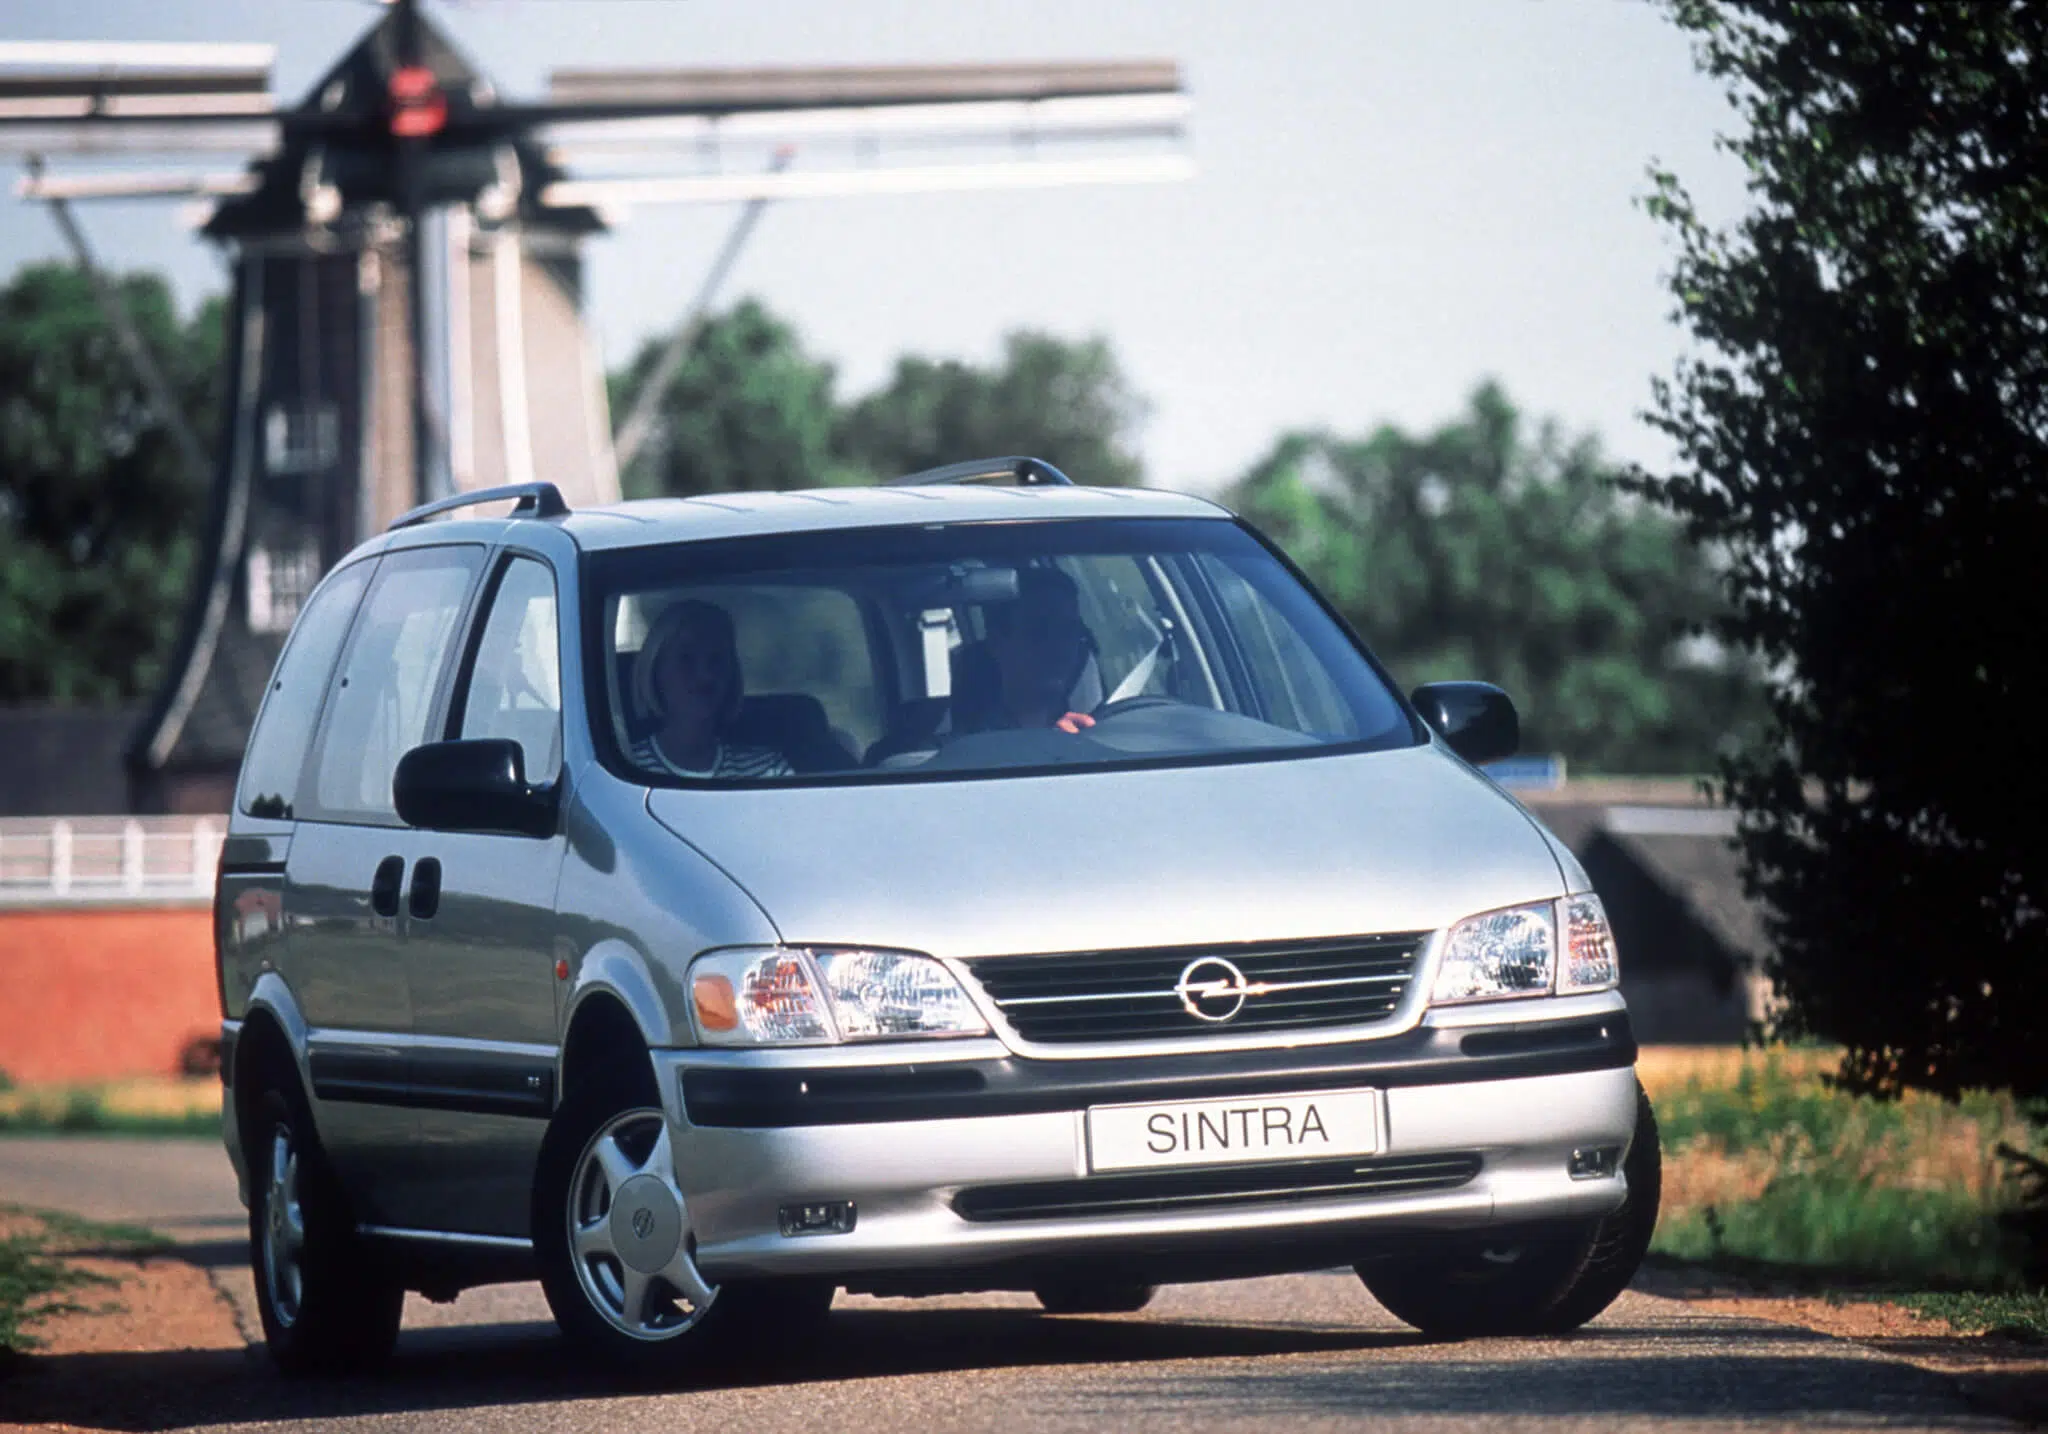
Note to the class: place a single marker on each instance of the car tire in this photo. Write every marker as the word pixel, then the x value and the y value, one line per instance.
pixel 328 1305
pixel 612 1236
pixel 1471 1289
pixel 1623 1238
pixel 1078 1297
pixel 1550 1283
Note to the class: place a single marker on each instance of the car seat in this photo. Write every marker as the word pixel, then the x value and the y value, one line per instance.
pixel 794 724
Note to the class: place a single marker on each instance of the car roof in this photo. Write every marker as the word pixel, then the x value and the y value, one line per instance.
pixel 739 515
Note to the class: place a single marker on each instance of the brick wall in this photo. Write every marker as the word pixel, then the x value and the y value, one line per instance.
pixel 90 994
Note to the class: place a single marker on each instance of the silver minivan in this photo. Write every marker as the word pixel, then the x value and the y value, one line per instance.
pixel 979 882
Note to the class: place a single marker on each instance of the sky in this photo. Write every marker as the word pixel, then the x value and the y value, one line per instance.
pixel 1394 199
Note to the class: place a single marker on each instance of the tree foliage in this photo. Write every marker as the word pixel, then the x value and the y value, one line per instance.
pixel 751 409
pixel 748 410
pixel 1481 550
pixel 1067 402
pixel 97 514
pixel 1863 431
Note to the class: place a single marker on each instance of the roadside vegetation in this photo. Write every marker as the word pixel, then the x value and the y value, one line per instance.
pixel 188 1107
pixel 38 1280
pixel 1773 1172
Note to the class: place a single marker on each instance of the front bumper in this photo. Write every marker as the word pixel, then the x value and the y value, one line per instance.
pixel 902 1142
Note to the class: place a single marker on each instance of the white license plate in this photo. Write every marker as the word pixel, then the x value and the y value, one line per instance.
pixel 1244 1131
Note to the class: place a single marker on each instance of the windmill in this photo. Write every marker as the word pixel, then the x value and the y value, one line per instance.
pixel 407 310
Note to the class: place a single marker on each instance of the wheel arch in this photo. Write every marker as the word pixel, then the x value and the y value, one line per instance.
pixel 605 1044
pixel 272 1039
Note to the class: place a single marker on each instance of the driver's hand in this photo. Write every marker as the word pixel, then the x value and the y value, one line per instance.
pixel 1074 722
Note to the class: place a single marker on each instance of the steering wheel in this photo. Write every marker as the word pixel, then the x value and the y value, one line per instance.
pixel 1133 704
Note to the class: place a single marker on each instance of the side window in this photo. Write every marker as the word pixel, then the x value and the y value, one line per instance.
pixel 385 690
pixel 1293 685
pixel 277 747
pixel 515 679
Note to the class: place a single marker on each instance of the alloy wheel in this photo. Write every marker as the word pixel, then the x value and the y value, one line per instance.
pixel 630 1239
pixel 284 1230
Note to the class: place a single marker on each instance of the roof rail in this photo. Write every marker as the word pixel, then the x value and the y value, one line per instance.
pixel 536 500
pixel 1024 472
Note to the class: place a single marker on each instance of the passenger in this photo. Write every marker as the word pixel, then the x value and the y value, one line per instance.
pixel 1039 645
pixel 688 677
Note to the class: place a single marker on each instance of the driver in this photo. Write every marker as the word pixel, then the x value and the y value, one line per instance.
pixel 1039 643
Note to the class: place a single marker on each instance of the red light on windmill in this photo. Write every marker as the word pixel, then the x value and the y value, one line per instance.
pixel 418 108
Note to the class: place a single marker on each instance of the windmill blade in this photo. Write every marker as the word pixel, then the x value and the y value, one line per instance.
pixel 1097 117
pixel 100 184
pixel 611 194
pixel 86 97
pixel 592 96
pixel 735 91
pixel 136 140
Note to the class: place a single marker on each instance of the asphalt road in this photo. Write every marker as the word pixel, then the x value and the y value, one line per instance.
pixel 1304 1353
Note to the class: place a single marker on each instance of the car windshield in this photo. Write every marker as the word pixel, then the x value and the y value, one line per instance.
pixel 971 649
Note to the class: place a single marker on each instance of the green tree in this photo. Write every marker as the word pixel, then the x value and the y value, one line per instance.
pixel 97 512
pixel 1066 402
pixel 748 410
pixel 1865 431
pixel 1478 550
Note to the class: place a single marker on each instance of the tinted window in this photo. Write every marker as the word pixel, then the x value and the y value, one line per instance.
pixel 987 647
pixel 515 680
pixel 385 691
pixel 277 747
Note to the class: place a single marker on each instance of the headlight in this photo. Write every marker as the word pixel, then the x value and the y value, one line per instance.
pixel 1590 960
pixel 1499 954
pixel 783 995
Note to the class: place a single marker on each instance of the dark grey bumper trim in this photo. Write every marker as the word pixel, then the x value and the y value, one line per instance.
pixel 944 1090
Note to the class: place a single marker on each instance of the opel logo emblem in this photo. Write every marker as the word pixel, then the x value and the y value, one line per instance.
pixel 643 1222
pixel 1212 989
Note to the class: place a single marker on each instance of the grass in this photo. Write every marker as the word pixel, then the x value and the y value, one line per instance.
pixel 1769 1169
pixel 187 1107
pixel 38 1280
pixel 2018 1316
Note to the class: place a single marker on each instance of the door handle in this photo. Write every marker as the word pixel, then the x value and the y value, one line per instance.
pixel 384 885
pixel 425 899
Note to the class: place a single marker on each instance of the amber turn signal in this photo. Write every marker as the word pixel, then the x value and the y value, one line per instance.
pixel 712 995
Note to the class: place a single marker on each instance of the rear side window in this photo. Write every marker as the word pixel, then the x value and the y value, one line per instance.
pixel 384 693
pixel 277 747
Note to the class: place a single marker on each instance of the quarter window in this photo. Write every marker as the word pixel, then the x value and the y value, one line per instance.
pixel 385 692
pixel 277 747
pixel 515 681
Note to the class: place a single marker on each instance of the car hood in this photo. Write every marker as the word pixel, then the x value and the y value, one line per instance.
pixel 1408 840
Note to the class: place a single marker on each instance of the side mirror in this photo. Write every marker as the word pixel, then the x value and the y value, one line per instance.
pixel 1477 719
pixel 474 786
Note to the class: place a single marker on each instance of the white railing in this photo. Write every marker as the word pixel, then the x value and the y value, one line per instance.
pixel 65 861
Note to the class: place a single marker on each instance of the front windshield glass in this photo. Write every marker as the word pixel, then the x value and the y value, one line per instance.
pixel 971 649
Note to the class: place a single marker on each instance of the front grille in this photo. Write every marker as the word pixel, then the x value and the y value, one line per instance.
pixel 1147 995
pixel 1163 1192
